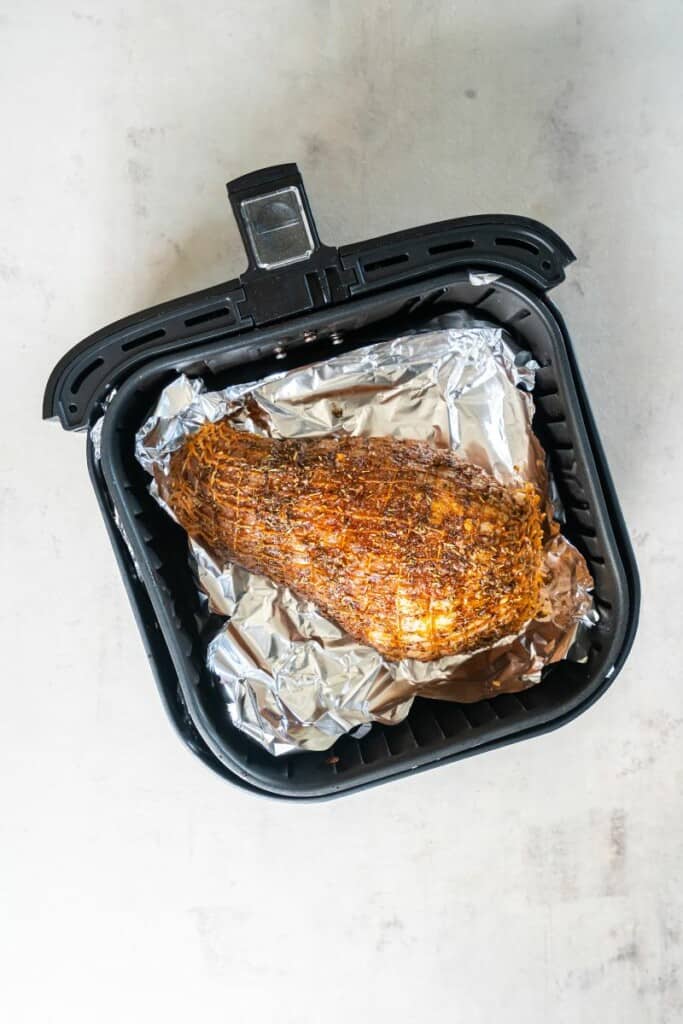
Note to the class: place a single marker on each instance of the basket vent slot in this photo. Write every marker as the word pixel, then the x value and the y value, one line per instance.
pixel 388 261
pixel 444 247
pixel 142 340
pixel 517 243
pixel 85 372
pixel 215 314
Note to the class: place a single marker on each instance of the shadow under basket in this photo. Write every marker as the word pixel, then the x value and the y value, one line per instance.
pixel 302 302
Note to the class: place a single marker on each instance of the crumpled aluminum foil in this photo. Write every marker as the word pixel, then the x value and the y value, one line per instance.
pixel 293 680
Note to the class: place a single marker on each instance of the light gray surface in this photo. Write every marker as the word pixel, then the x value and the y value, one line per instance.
pixel 538 883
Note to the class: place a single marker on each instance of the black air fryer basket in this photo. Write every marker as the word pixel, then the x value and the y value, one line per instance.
pixel 298 302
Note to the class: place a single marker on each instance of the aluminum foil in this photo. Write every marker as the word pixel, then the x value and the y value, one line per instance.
pixel 96 436
pixel 292 679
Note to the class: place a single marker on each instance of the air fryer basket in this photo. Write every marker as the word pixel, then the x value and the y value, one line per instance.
pixel 388 298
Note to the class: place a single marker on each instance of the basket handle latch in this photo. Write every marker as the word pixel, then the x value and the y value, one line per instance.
pixel 290 271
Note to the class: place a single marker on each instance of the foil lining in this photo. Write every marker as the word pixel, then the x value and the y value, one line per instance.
pixel 293 680
pixel 96 437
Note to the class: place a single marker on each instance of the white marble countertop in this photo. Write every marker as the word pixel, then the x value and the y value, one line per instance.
pixel 537 883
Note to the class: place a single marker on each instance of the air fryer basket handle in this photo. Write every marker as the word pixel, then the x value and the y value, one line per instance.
pixel 291 273
pixel 272 210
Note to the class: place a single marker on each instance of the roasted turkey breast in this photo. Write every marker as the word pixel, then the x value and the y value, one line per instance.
pixel 404 545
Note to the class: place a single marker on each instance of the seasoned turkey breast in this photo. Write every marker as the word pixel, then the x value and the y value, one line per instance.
pixel 403 545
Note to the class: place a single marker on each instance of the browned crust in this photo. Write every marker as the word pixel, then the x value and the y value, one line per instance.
pixel 405 546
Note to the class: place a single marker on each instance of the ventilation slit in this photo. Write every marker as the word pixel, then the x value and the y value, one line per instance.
pixel 438 250
pixel 487 295
pixel 214 314
pixel 400 738
pixel 389 261
pixel 521 314
pixel 142 340
pixel 90 368
pixel 517 243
